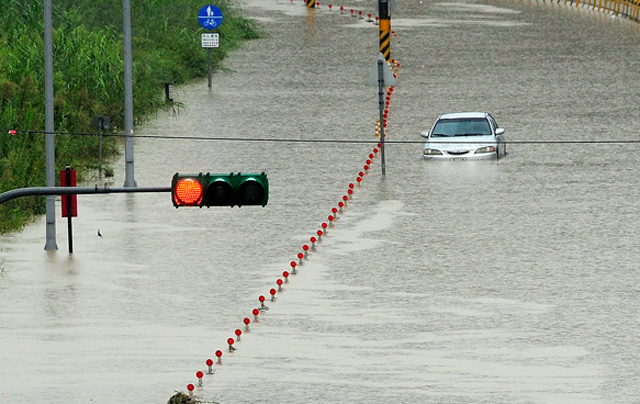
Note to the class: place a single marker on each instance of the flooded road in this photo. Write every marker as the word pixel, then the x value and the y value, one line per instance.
pixel 478 282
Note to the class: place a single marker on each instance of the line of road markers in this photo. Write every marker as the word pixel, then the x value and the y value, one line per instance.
pixel 314 240
pixel 353 12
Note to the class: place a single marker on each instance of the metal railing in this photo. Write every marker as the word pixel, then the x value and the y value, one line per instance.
pixel 622 8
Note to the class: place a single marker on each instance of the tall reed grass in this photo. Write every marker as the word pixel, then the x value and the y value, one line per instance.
pixel 88 78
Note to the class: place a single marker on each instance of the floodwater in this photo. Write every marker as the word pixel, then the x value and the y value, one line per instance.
pixel 475 282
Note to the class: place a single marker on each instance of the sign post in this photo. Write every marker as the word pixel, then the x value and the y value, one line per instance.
pixel 210 17
pixel 69 202
pixel 381 76
pixel 101 123
pixel 210 41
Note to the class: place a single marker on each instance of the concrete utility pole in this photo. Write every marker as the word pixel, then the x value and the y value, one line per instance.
pixel 129 181
pixel 50 151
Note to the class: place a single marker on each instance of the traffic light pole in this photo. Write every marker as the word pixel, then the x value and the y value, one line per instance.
pixel 51 191
pixel 40 191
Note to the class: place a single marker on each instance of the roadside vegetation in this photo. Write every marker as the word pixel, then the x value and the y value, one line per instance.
pixel 88 79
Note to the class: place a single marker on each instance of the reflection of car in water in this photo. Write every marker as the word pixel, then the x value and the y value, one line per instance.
pixel 464 136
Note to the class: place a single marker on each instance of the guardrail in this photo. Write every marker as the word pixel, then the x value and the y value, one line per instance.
pixel 623 8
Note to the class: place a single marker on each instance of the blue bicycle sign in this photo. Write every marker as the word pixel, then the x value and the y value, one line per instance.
pixel 210 17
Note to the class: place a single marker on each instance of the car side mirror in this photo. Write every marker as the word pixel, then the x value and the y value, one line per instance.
pixel 499 131
pixel 426 134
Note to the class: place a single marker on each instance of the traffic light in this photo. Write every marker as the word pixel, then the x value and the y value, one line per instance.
pixel 233 189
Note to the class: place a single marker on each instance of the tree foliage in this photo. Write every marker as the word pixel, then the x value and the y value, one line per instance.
pixel 88 78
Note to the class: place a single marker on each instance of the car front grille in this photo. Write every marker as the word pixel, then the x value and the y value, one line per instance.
pixel 457 152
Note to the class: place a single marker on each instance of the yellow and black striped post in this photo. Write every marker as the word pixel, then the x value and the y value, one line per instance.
pixel 385 29
pixel 311 3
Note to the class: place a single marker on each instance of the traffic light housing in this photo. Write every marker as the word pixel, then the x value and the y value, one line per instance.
pixel 233 189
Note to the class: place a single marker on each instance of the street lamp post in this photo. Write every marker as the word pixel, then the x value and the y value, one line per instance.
pixel 129 181
pixel 50 153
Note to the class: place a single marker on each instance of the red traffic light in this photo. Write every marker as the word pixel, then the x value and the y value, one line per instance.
pixel 187 192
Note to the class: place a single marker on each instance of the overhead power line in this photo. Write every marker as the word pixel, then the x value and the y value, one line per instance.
pixel 292 140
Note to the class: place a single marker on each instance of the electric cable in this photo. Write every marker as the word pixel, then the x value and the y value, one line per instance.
pixel 293 140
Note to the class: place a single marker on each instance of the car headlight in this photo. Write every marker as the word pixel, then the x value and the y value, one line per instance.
pixel 432 152
pixel 486 149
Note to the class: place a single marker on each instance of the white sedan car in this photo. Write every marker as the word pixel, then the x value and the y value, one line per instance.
pixel 465 136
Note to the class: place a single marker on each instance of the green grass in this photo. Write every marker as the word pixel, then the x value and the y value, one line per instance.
pixel 88 78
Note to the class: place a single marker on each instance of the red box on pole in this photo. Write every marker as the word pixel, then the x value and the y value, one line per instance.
pixel 71 198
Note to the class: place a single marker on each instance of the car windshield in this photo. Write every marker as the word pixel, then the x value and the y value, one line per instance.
pixel 462 127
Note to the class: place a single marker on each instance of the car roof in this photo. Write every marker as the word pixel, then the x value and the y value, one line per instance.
pixel 458 115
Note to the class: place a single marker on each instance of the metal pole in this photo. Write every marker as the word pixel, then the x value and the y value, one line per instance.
pixel 381 103
pixel 39 191
pixel 100 126
pixel 67 173
pixel 210 66
pixel 50 152
pixel 129 181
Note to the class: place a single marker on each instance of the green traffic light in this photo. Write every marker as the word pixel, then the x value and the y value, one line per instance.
pixel 219 191
pixel 253 189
